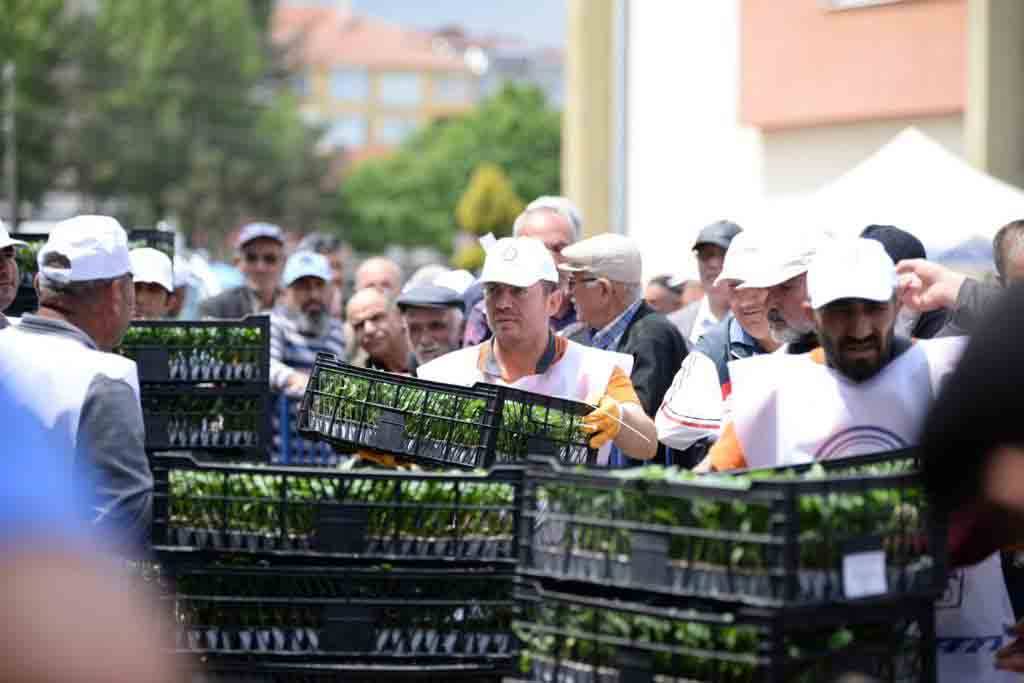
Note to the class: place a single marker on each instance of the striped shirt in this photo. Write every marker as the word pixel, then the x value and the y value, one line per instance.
pixel 292 350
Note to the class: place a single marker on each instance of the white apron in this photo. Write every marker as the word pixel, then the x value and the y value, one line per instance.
pixel 792 410
pixel 580 372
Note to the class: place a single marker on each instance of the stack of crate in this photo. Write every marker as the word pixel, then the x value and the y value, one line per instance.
pixel 780 576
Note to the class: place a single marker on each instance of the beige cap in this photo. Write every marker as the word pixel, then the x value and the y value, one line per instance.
pixel 615 257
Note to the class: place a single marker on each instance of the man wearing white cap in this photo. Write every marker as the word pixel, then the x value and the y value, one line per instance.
pixel 521 294
pixel 59 360
pixel 606 284
pixel 783 273
pixel 865 390
pixel 154 283
pixel 260 257
pixel 691 414
pixel 556 222
pixel 300 326
pixel 10 279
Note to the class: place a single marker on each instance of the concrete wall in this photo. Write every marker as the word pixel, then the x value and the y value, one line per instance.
pixel 805 159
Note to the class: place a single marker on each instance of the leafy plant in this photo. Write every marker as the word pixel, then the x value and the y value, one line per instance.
pixel 201 353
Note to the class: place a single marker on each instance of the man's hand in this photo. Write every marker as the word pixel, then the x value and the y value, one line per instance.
pixel 604 423
pixel 295 386
pixel 926 286
pixel 1011 657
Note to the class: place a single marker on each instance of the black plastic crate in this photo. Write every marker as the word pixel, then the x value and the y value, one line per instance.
pixel 206 419
pixel 530 424
pixel 571 638
pixel 427 422
pixel 439 424
pixel 220 670
pixel 383 614
pixel 771 539
pixel 161 240
pixel 221 352
pixel 294 513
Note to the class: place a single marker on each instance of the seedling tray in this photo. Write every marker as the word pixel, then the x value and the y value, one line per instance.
pixel 570 637
pixel 439 424
pixel 531 424
pixel 322 515
pixel 232 419
pixel 430 423
pixel 777 539
pixel 219 352
pixel 312 614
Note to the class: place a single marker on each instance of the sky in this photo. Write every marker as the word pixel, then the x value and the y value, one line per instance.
pixel 540 22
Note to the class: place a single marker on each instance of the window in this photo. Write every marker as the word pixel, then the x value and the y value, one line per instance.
pixel 348 131
pixel 452 89
pixel 351 85
pixel 393 130
pixel 399 89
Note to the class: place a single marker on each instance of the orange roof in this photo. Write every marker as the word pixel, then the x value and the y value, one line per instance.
pixel 332 36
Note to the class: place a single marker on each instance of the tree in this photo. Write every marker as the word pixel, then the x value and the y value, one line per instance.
pixel 489 204
pixel 179 115
pixel 38 36
pixel 410 198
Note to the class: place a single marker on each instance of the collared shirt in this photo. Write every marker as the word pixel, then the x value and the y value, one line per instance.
pixel 292 350
pixel 37 324
pixel 705 321
pixel 609 336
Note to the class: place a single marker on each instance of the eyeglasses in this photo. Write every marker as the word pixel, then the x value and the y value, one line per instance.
pixel 268 259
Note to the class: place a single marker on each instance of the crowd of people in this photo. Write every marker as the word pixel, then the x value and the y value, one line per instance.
pixel 791 347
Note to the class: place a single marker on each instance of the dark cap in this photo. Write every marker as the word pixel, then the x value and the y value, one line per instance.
pixel 429 296
pixel 719 233
pixel 898 244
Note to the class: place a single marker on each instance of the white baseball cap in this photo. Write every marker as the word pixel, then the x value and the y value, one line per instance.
pixel 96 247
pixel 5 238
pixel 788 254
pixel 306 264
pixel 851 269
pixel 255 231
pixel 615 257
pixel 152 265
pixel 518 261
pixel 743 260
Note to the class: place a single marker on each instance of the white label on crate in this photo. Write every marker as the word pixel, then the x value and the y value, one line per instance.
pixel 864 574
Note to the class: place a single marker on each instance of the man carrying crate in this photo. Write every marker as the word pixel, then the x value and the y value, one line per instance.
pixel 865 390
pixel 521 294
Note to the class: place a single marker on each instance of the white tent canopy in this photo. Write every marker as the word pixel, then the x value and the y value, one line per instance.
pixel 912 182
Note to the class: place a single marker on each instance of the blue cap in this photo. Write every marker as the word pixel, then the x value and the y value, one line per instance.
pixel 255 231
pixel 306 264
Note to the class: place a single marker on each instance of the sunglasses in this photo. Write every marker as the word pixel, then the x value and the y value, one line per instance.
pixel 268 259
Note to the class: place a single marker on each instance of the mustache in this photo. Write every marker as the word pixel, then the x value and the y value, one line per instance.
pixel 872 342
pixel 775 316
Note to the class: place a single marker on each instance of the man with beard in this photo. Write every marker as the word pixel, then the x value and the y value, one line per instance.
pixel 432 316
pixel 710 247
pixel 300 326
pixel 783 275
pixel 865 390
pixel 9 276
pixel 691 413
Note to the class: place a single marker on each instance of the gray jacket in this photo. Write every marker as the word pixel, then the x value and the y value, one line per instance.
pixel 90 402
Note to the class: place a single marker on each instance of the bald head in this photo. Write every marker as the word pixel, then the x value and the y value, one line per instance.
pixel 379 273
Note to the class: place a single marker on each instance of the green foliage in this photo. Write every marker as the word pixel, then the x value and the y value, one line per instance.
pixel 410 197
pixel 178 115
pixel 489 204
pixel 40 38
pixel 470 257
pixel 348 408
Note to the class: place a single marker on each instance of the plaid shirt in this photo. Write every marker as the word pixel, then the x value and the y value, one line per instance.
pixel 291 350
pixel 609 336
